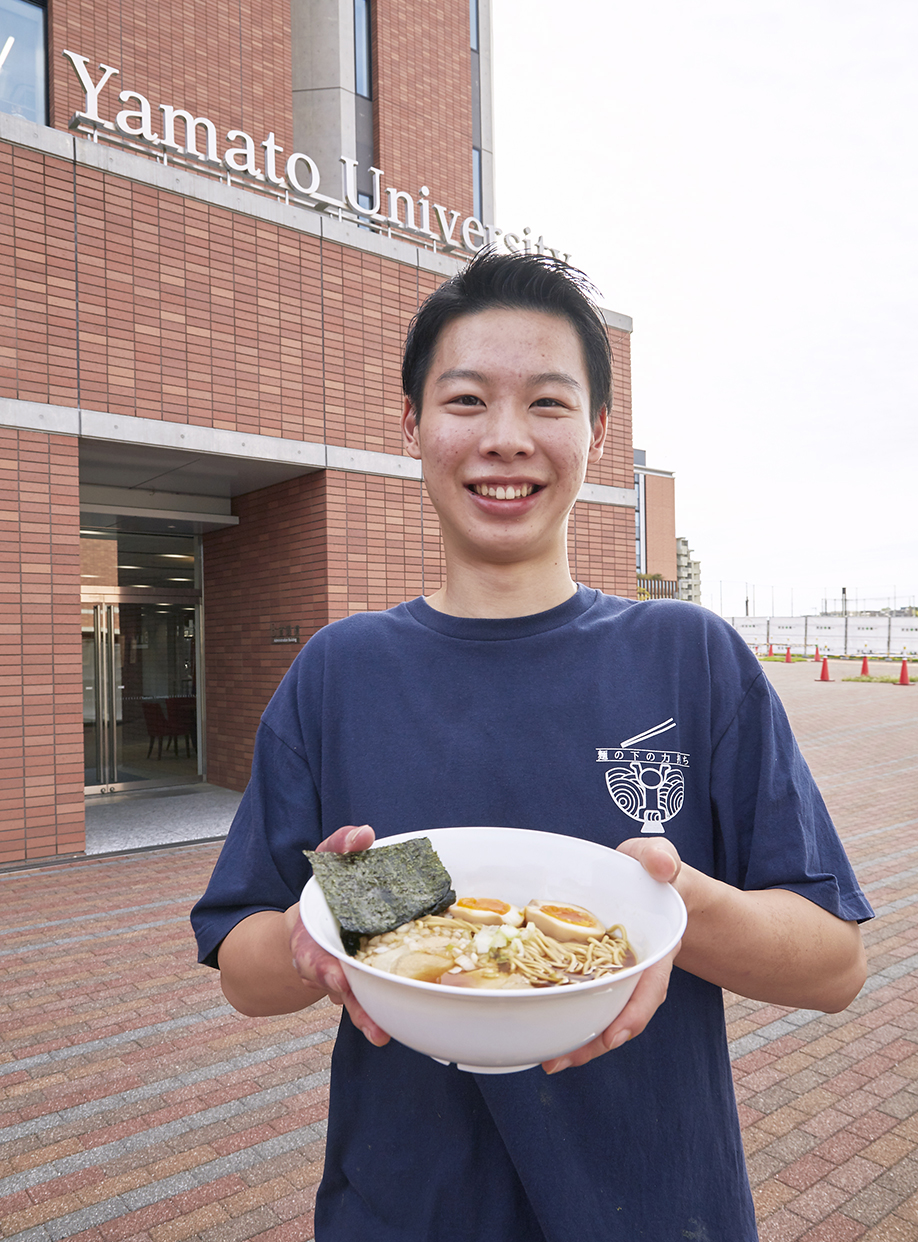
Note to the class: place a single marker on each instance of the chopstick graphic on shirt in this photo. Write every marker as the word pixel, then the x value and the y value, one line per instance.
pixel 642 737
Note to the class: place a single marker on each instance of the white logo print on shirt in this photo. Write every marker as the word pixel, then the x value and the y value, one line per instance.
pixel 648 785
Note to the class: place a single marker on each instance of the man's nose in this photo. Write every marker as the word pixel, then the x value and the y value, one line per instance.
pixel 506 433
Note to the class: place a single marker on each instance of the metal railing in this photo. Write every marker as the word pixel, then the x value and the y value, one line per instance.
pixel 655 586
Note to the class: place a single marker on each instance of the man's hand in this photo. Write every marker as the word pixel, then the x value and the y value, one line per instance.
pixel 660 860
pixel 319 969
pixel 269 963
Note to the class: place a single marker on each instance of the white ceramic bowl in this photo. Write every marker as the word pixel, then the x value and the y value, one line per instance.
pixel 503 1031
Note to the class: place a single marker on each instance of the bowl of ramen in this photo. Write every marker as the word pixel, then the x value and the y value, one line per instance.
pixel 521 946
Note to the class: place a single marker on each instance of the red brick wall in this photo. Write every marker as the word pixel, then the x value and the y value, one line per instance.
pixel 384 543
pixel 305 552
pixel 423 99
pixel 268 571
pixel 190 313
pixel 616 467
pixel 367 305
pixel 38 317
pixel 600 542
pixel 660 525
pixel 41 718
pixel 228 60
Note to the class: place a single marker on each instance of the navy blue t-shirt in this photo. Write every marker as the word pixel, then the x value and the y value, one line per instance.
pixel 601 718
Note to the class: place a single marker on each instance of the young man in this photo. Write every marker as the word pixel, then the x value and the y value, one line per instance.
pixel 513 696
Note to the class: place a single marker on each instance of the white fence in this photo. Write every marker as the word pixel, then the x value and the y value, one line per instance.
pixel 887 637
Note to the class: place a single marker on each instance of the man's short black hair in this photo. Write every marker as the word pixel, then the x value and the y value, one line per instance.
pixel 517 282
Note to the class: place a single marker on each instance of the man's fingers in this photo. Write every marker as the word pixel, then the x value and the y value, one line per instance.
pixel 329 974
pixel 348 840
pixel 320 969
pixel 362 1020
pixel 646 999
pixel 659 858
pixel 644 1002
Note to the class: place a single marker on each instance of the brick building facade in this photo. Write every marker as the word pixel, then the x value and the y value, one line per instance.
pixel 655 530
pixel 201 322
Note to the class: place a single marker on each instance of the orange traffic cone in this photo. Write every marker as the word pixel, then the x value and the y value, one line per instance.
pixel 903 676
pixel 770 650
pixel 824 675
pixel 816 656
pixel 865 668
pixel 787 659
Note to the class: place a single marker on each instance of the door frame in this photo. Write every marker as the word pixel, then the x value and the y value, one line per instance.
pixel 113 596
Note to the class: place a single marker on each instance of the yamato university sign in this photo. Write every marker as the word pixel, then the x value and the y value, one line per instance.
pixel 295 179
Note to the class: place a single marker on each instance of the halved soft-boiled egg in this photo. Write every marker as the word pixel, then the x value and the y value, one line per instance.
pixel 563 920
pixel 486 910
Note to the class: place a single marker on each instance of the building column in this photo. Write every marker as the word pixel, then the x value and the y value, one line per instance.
pixel 41 724
pixel 324 96
pixel 265 592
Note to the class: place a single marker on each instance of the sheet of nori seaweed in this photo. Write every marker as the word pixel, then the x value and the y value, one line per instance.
pixel 375 891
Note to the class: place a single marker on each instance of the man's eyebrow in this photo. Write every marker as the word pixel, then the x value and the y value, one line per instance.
pixel 460 373
pixel 543 377
pixel 555 377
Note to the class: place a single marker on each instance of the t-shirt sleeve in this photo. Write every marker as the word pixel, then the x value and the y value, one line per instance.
pixel 774 828
pixel 261 865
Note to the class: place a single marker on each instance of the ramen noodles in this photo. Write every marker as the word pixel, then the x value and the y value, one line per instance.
pixel 512 952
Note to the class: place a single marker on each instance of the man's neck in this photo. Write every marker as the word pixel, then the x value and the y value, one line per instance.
pixel 502 590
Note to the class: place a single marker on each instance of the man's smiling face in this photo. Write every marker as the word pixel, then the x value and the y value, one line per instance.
pixel 505 435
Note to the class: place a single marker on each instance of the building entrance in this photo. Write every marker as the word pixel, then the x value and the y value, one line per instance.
pixel 141 703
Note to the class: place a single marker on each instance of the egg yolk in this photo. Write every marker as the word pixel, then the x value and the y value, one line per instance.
pixel 484 903
pixel 565 914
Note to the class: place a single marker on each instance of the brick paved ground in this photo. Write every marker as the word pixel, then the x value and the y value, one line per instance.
pixel 136 1105
pixel 829 1102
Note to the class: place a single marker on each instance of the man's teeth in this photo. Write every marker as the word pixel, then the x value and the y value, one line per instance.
pixel 502 493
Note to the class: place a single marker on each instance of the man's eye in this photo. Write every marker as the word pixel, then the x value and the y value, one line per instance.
pixel 466 399
pixel 547 402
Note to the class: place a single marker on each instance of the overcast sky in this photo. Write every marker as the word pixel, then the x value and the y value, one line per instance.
pixel 742 179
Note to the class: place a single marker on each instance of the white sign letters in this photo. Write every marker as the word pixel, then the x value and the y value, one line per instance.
pixel 391 210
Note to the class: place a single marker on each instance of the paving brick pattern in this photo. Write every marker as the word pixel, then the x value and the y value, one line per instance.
pixel 829 1102
pixel 136 1105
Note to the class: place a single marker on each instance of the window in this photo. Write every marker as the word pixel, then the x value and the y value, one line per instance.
pixel 363 99
pixel 363 52
pixel 477 181
pixel 477 202
pixel 22 60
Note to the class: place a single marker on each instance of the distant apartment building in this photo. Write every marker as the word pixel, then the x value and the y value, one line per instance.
pixel 654 530
pixel 665 568
pixel 688 572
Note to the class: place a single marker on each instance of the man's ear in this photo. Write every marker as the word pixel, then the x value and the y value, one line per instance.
pixel 600 427
pixel 410 437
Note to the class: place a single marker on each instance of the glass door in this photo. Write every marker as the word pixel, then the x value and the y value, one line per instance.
pixel 140 702
pixel 101 693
